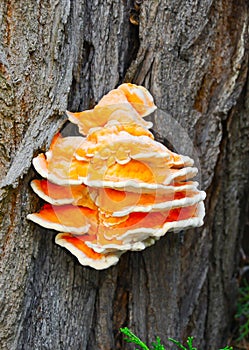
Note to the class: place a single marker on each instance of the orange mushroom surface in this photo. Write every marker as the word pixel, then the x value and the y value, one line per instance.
pixel 114 188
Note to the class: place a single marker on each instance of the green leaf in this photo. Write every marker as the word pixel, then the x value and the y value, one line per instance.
pixel 243 312
pixel 176 342
pixel 190 343
pixel 132 338
pixel 158 345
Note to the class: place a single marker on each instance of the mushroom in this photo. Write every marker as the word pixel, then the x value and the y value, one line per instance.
pixel 121 203
pixel 115 161
pixel 114 188
pixel 67 218
pixel 86 256
pixel 127 104
pixel 60 195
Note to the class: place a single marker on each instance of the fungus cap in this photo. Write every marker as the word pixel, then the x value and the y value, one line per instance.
pixel 114 188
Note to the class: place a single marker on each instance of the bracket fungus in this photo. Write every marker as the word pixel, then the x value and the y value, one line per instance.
pixel 114 188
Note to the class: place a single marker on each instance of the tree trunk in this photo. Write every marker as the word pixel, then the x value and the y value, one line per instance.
pixel 193 58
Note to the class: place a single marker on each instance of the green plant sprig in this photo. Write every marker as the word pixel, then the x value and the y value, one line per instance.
pixel 132 338
pixel 189 343
pixel 243 312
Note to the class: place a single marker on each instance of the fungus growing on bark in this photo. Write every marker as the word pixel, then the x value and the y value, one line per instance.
pixel 114 188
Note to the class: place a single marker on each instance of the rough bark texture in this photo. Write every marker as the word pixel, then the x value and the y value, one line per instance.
pixel 58 55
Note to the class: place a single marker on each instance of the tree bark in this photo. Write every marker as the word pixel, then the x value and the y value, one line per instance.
pixel 193 58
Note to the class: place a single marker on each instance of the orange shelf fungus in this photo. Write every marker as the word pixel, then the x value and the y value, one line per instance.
pixel 114 188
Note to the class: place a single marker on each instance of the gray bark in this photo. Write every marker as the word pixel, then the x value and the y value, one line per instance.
pixel 58 55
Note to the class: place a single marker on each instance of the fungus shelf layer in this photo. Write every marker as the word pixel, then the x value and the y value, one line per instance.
pixel 114 188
